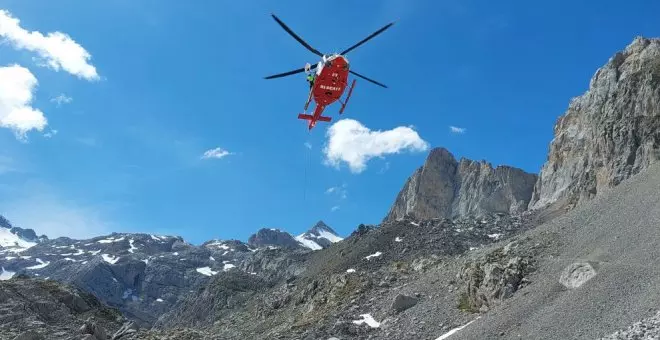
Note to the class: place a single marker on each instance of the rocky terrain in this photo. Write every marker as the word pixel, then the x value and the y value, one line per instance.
pixel 34 309
pixel 444 187
pixel 392 276
pixel 609 133
pixel 142 275
pixel 467 251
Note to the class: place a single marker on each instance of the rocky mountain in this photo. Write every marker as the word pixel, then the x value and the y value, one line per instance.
pixel 17 239
pixel 145 275
pixel 34 309
pixel 460 255
pixel 386 282
pixel 319 236
pixel 274 238
pixel 444 187
pixel 609 133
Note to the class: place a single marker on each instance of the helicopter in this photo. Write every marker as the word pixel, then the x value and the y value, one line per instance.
pixel 330 79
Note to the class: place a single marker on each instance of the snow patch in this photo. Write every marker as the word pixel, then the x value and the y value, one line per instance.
pixel 495 236
pixel 228 266
pixel 111 240
pixel 8 258
pixel 206 271
pixel 329 236
pixel 94 252
pixel 376 254
pixel 133 248
pixel 308 243
pixel 350 270
pixel 41 264
pixel 398 239
pixel 369 320
pixel 415 224
pixel 211 258
pixel 110 259
pixel 446 335
pixel 7 240
pixel 159 300
pixel 5 274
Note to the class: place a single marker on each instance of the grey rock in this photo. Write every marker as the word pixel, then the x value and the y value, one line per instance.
pixel 576 274
pixel 402 302
pixel 30 335
pixel 492 278
pixel 273 237
pixel 609 133
pixel 47 309
pixel 94 331
pixel 446 188
pixel 647 329
pixel 125 331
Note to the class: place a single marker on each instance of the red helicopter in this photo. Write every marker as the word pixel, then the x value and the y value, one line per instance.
pixel 331 77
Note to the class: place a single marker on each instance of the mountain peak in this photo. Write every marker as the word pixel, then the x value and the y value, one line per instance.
pixel 272 237
pixel 320 226
pixel 319 236
pixel 445 188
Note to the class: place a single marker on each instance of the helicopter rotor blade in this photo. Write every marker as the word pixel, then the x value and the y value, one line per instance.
pixel 279 75
pixel 367 38
pixel 365 78
pixel 295 36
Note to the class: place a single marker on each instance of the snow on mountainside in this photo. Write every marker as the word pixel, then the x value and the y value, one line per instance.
pixel 319 237
pixel 146 275
pixel 14 239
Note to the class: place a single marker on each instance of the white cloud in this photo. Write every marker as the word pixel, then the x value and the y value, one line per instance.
pixel 308 145
pixel 216 153
pixel 338 190
pixel 353 143
pixel 457 130
pixel 61 99
pixel 56 49
pixel 50 133
pixel 385 167
pixel 335 208
pixel 17 85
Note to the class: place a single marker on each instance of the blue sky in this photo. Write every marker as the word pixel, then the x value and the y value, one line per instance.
pixel 178 78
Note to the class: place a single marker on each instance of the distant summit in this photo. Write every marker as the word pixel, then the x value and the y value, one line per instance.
pixel 17 238
pixel 448 188
pixel 272 237
pixel 319 236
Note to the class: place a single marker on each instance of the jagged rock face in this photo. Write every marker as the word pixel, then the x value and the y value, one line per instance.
pixel 609 133
pixel 272 237
pixel 493 278
pixel 39 309
pixel 447 188
pixel 4 223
